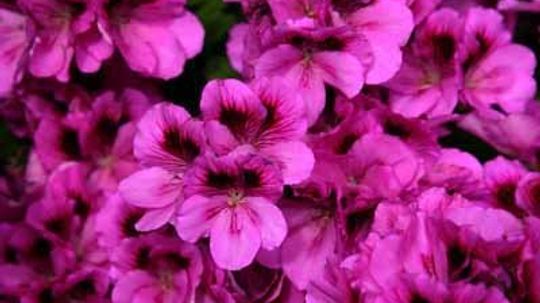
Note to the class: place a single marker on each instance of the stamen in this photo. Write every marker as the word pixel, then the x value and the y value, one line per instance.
pixel 236 197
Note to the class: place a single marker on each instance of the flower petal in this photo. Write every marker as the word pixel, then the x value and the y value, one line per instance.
pixel 166 137
pixel 286 117
pixel 126 289
pixel 150 50
pixel 189 31
pixel 341 70
pixel 234 105
pixel 196 217
pixel 306 249
pixel 271 222
pixel 151 188
pixel 295 158
pixel 156 218
pixel 277 61
pixel 234 239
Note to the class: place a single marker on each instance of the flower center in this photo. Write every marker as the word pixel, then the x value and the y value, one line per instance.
pixel 236 197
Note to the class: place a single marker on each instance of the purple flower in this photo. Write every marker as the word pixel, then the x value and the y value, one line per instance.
pixel 167 142
pixel 156 269
pixel 269 118
pixel 154 37
pixel 13 45
pixel 231 201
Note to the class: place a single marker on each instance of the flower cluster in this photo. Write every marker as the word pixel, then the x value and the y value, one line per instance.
pixel 383 151
pixel 42 37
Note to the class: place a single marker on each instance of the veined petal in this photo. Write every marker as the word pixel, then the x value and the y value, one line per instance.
pixel 196 217
pixel 286 117
pixel 234 105
pixel 295 158
pixel 341 70
pixel 167 137
pixel 271 222
pixel 151 188
pixel 234 239
pixel 277 61
pixel 155 218
pixel 150 50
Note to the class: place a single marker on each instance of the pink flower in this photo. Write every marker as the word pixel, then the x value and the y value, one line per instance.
pixel 57 141
pixel 269 117
pixel 156 269
pixel 59 27
pixel 457 171
pixel 24 246
pixel 490 77
pixel 313 233
pixel 386 25
pixel 427 83
pixel 116 221
pixel 502 177
pixel 68 183
pixel 156 190
pixel 422 8
pixel 528 193
pixel 169 138
pixel 380 170
pixel 311 58
pixel 462 293
pixel 259 283
pixel 154 37
pixel 88 285
pixel 13 45
pixel 485 228
pixel 505 133
pixel 166 143
pixel 55 219
pixel 518 5
pixel 333 287
pixel 108 133
pixel 231 200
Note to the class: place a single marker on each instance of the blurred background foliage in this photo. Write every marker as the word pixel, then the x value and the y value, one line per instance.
pixel 217 18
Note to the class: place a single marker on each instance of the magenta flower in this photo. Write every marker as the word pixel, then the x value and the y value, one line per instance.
pixel 504 132
pixel 313 231
pixel 427 83
pixel 116 221
pixel 458 172
pixel 68 183
pixel 13 44
pixel 374 151
pixel 519 5
pixel 54 219
pixel 154 37
pixel 64 30
pixel 58 140
pixel 502 177
pixel 156 269
pixel 107 135
pixel 167 142
pixel 231 201
pixel 85 285
pixel 311 58
pixel 528 193
pixel 269 118
pixel 259 283
pixel 386 25
pixel 168 137
pixel 490 77
pixel 382 171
